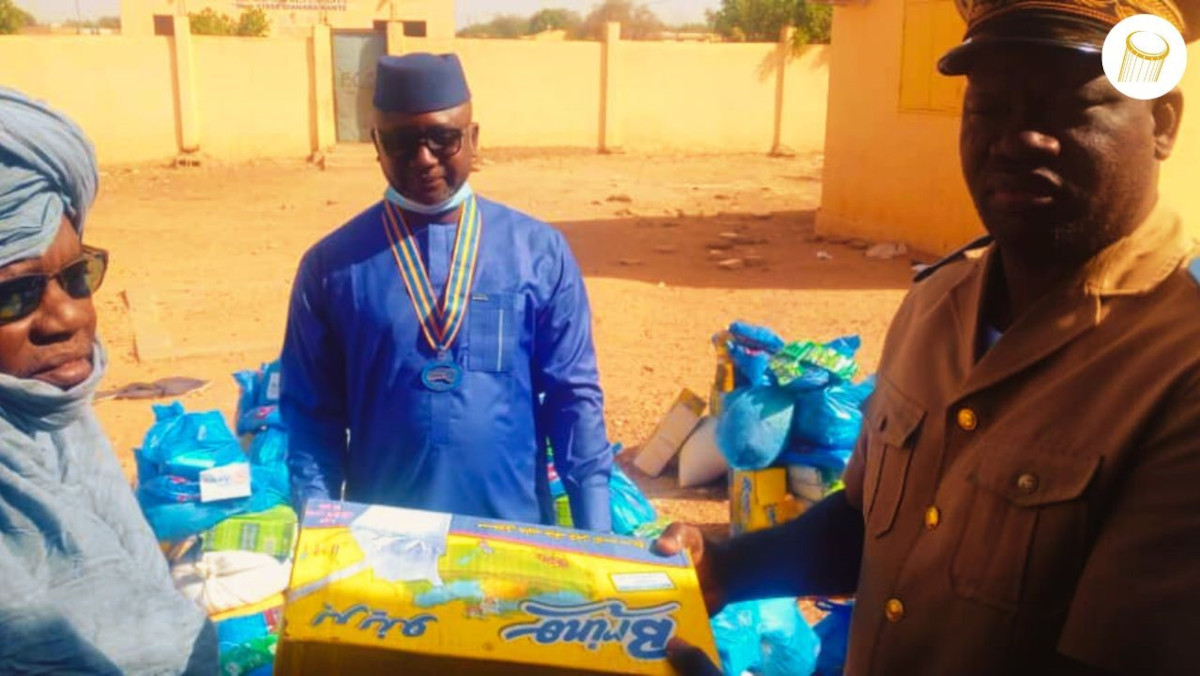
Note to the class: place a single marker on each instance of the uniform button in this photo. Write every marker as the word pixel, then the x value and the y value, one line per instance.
pixel 933 517
pixel 967 419
pixel 893 610
pixel 1027 483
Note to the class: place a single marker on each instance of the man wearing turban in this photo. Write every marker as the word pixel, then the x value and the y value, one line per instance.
pixel 84 587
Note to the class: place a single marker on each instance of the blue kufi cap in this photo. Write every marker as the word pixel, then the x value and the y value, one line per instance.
pixel 420 83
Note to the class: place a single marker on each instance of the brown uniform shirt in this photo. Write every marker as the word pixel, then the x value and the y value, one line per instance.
pixel 1044 496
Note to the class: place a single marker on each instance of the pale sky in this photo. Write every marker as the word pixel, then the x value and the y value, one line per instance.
pixel 469 11
pixel 670 11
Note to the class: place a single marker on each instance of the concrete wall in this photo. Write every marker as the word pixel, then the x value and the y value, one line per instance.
pixel 891 170
pixel 121 90
pixel 528 93
pixel 230 98
pixel 670 95
pixel 254 97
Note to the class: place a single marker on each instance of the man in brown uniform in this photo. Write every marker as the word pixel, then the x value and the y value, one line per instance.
pixel 1025 496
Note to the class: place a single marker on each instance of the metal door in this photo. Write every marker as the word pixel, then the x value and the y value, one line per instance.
pixel 355 54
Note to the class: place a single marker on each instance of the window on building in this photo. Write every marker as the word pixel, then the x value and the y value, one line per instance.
pixel 931 27
pixel 164 24
pixel 412 29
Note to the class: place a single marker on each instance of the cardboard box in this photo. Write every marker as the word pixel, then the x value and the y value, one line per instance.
pixel 389 590
pixel 759 499
pixel 672 431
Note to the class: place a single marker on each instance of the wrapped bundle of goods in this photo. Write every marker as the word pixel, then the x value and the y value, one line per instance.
pixel 789 425
pixel 385 589
pixel 218 503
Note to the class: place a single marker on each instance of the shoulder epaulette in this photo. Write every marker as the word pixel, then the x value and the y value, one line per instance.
pixel 956 255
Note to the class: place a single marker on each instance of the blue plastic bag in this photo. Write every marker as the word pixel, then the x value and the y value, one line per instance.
pixel 834 632
pixel 768 637
pixel 831 417
pixel 269 448
pixel 735 630
pixel 258 403
pixel 750 350
pixel 185 444
pixel 754 425
pixel 630 508
pixel 176 449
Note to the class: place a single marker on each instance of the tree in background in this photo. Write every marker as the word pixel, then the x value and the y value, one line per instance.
pixel 113 22
pixel 693 28
pixel 252 23
pixel 510 26
pixel 13 18
pixel 761 20
pixel 554 20
pixel 638 22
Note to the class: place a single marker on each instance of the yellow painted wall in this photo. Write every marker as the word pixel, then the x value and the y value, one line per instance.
pixel 889 174
pixel 806 99
pixel 529 93
pixel 254 97
pixel 119 89
pixel 892 169
pixel 698 96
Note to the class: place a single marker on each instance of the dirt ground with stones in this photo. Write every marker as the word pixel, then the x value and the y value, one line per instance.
pixel 673 248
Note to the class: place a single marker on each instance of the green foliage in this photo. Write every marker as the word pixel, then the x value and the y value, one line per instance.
pixel 508 26
pixel 638 22
pixel 13 18
pixel 762 20
pixel 252 23
pixel 554 20
pixel 692 28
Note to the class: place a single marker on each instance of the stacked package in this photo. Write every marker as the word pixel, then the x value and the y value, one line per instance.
pixel 219 505
pixel 789 425
pixel 787 428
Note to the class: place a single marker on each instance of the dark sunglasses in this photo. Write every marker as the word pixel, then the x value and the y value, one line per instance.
pixel 404 144
pixel 20 296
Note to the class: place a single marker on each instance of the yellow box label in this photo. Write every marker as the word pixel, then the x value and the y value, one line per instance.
pixel 432 584
pixel 759 499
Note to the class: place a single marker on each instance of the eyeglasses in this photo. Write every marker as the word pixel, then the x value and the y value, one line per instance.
pixel 404 144
pixel 20 296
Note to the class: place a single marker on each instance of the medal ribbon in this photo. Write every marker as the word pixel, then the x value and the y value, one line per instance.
pixel 441 322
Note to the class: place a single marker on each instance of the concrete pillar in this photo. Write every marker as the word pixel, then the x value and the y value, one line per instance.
pixel 783 52
pixel 611 138
pixel 395 38
pixel 324 116
pixel 186 103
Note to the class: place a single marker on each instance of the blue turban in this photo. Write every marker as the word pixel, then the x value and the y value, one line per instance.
pixel 420 83
pixel 47 170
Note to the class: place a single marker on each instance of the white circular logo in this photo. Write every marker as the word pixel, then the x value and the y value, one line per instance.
pixel 1144 56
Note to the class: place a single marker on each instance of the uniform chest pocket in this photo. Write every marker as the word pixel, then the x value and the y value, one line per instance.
pixel 1025 525
pixel 892 425
pixel 494 327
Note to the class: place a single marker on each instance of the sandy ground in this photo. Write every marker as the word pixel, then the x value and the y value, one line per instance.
pixel 203 259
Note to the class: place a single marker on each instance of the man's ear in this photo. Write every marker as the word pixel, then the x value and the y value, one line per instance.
pixel 1168 112
pixel 475 135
